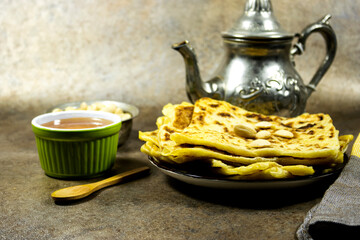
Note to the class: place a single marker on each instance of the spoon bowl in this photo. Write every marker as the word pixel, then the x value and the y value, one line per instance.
pixel 81 191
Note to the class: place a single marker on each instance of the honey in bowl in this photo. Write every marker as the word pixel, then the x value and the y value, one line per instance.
pixel 78 123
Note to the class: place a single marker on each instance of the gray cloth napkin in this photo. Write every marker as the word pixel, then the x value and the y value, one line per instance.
pixel 337 216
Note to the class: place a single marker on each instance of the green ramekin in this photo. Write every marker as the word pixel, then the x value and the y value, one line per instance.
pixel 76 153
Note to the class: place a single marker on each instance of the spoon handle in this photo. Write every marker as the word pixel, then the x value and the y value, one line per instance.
pixel 81 191
pixel 118 178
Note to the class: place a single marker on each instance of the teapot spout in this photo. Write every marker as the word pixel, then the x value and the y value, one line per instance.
pixel 195 87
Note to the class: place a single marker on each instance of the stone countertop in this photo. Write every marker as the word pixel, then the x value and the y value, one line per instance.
pixel 64 51
pixel 151 207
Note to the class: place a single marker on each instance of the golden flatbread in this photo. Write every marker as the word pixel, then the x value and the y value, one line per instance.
pixel 213 123
pixel 262 170
pixel 234 138
pixel 185 153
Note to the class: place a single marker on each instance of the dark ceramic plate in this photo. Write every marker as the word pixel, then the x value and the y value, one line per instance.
pixel 200 174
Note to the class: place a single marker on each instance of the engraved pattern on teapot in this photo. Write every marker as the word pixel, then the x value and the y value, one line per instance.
pixel 280 83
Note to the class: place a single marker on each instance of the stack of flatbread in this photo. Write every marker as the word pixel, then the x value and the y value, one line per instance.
pixel 242 144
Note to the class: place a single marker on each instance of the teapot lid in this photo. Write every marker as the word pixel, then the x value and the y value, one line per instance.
pixel 258 23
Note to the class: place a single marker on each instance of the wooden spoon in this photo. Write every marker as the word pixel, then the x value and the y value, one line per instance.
pixel 81 191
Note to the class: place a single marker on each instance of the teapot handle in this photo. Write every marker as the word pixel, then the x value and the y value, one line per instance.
pixel 322 26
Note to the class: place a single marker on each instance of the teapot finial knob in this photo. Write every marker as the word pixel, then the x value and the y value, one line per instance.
pixel 258 6
pixel 257 22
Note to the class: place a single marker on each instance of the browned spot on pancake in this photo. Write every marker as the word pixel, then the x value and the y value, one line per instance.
pixel 224 114
pixel 288 125
pixel 183 117
pixel 226 129
pixel 166 128
pixel 201 119
pixel 202 108
pixel 311 132
pixel 321 138
pixel 264 118
pixel 233 108
pixel 218 123
pixel 259 117
pixel 320 127
pixel 198 119
pixel 332 132
pixel 251 115
pixel 317 145
pixel 309 125
pixel 167 136
pixel 214 105
pixel 321 117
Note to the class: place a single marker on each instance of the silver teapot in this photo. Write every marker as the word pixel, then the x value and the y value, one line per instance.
pixel 257 72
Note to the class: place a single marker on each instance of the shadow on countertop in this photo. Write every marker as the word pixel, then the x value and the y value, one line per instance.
pixel 252 198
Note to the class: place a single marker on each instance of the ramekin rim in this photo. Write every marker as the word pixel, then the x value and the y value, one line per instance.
pixel 34 121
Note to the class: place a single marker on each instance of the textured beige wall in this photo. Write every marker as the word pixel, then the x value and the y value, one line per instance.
pixel 57 51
